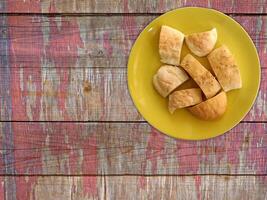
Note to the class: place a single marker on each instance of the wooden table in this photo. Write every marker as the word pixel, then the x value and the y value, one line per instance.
pixel 69 129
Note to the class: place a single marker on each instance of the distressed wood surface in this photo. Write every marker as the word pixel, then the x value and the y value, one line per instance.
pixel 81 94
pixel 32 44
pixel 89 41
pixel 129 6
pixel 135 187
pixel 72 67
pixel 127 148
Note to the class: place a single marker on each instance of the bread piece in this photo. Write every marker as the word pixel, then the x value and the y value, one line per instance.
pixel 201 44
pixel 225 68
pixel 184 98
pixel 170 45
pixel 168 78
pixel 212 108
pixel 206 81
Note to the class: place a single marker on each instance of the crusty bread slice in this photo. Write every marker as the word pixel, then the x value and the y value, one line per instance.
pixel 168 78
pixel 212 108
pixel 206 81
pixel 225 68
pixel 201 44
pixel 184 98
pixel 170 45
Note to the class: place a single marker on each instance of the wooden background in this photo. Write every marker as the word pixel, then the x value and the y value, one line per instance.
pixel 68 127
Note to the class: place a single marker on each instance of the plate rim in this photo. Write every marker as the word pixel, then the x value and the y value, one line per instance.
pixel 130 89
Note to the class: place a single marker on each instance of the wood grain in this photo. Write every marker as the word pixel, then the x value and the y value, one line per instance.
pixel 88 41
pixel 81 94
pixel 31 44
pixel 63 42
pixel 73 68
pixel 128 148
pixel 129 6
pixel 71 94
pixel 136 187
pixel 195 187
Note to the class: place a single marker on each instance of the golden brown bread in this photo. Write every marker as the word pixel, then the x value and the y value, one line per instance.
pixel 201 44
pixel 170 45
pixel 168 78
pixel 206 81
pixel 225 68
pixel 184 98
pixel 212 108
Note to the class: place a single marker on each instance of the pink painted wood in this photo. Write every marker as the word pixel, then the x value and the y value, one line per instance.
pixel 44 88
pixel 84 94
pixel 129 6
pixel 138 187
pixel 135 148
pixel 91 41
pixel 73 68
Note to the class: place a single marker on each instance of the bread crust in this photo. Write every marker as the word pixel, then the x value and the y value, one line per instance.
pixel 211 109
pixel 205 80
pixel 168 78
pixel 201 44
pixel 184 98
pixel 225 68
pixel 170 45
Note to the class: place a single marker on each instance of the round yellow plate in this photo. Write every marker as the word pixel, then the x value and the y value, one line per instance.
pixel 144 61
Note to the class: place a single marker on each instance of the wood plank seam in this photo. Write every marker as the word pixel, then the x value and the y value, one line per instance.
pixel 111 122
pixel 132 175
pixel 111 14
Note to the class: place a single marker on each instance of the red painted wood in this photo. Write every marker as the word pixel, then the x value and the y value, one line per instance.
pixel 29 45
pixel 34 44
pixel 2 188
pixel 60 47
pixel 48 94
pixel 27 5
pixel 24 187
pixel 91 41
pixel 128 6
pixel 53 187
pixel 61 42
pixel 156 187
pixel 104 148
pixel 89 94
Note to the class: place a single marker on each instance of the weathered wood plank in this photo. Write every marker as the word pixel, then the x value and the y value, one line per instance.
pixel 72 41
pixel 2 189
pixel 139 187
pixel 183 188
pixel 52 188
pixel 89 41
pixel 82 94
pixel 95 42
pixel 71 94
pixel 84 42
pixel 129 6
pixel 136 148
pixel 5 112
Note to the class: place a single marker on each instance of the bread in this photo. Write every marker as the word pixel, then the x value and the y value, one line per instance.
pixel 212 108
pixel 170 45
pixel 184 98
pixel 206 81
pixel 168 78
pixel 225 68
pixel 201 44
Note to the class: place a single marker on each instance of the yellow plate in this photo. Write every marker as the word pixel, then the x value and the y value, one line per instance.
pixel 144 61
